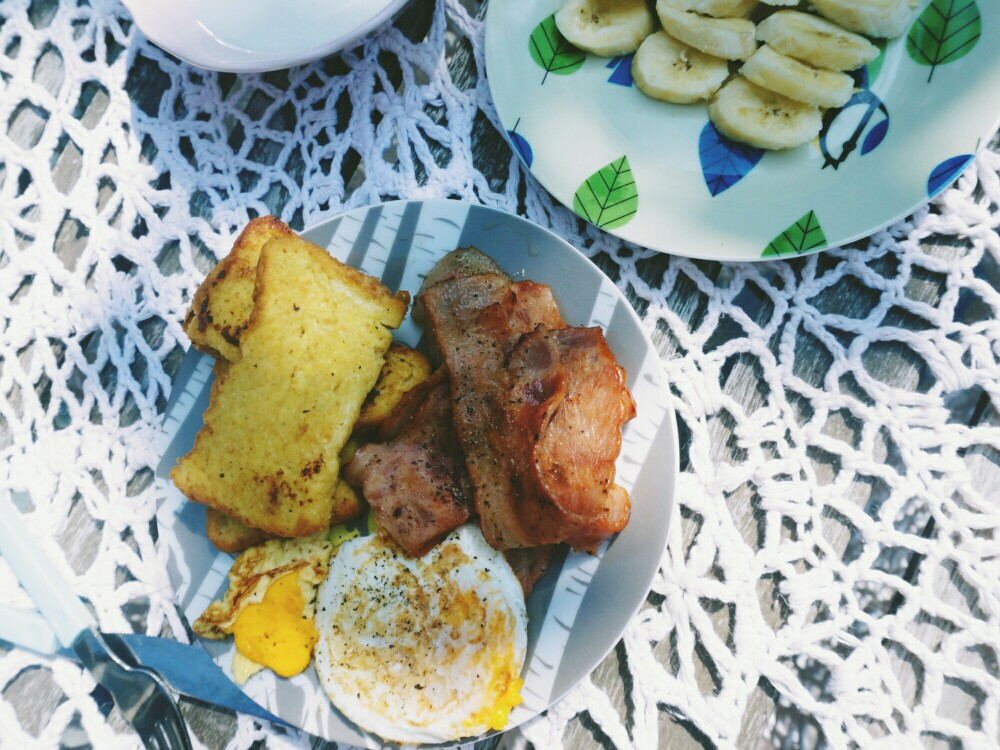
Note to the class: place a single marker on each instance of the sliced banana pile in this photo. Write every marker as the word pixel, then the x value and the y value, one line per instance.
pixel 768 72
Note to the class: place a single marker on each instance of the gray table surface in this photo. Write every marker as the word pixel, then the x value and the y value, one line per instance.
pixel 35 697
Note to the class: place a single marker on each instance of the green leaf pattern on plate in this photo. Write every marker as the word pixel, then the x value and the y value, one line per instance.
pixel 804 235
pixel 609 197
pixel 550 50
pixel 944 32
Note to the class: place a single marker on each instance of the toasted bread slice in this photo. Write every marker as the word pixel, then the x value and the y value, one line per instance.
pixel 230 535
pixel 221 308
pixel 347 503
pixel 268 453
pixel 404 368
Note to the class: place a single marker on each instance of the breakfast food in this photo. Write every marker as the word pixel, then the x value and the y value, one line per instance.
pixel 270 605
pixel 748 113
pixel 529 564
pixel 815 41
pixel 221 308
pixel 784 75
pixel 473 473
pixel 228 534
pixel 475 320
pixel 416 483
pixel 567 402
pixel 472 321
pixel 404 369
pixel 728 38
pixel 715 8
pixel 605 27
pixel 231 535
pixel 878 18
pixel 669 70
pixel 774 100
pixel 423 649
pixel 268 453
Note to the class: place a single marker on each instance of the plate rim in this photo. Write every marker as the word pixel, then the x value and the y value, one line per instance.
pixel 594 657
pixel 145 13
pixel 722 256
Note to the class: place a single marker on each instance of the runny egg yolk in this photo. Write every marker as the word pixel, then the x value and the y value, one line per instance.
pixel 507 689
pixel 275 633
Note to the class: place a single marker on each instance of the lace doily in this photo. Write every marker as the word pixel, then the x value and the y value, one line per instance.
pixel 832 562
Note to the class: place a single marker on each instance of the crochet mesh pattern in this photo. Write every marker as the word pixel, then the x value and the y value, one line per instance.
pixel 833 550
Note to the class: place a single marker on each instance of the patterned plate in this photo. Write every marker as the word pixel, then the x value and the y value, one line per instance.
pixel 660 175
pixel 578 611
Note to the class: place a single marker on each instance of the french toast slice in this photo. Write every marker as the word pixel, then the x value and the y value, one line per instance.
pixel 222 305
pixel 311 352
pixel 230 535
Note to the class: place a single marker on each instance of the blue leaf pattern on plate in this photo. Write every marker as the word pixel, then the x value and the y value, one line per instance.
pixel 724 162
pixel 522 147
pixel 875 136
pixel 621 70
pixel 945 172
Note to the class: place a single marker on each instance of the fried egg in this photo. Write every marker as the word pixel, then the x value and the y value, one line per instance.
pixel 423 649
pixel 270 605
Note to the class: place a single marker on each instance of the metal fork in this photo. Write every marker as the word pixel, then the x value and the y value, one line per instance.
pixel 140 694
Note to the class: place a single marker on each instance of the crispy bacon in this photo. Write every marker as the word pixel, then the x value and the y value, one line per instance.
pixel 416 483
pixel 568 401
pixel 538 410
pixel 475 321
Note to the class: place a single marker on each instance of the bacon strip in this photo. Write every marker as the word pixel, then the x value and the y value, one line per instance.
pixel 475 321
pixel 529 565
pixel 569 400
pixel 538 410
pixel 416 483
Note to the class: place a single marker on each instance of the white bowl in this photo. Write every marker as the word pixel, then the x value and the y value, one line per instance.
pixel 253 36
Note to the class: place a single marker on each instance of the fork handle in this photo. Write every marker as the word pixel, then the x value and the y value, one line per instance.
pixel 27 629
pixel 52 594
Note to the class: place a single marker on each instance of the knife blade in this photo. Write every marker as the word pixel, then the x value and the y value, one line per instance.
pixel 187 669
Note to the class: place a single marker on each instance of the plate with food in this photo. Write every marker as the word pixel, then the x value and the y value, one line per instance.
pixel 417 470
pixel 744 130
pixel 253 36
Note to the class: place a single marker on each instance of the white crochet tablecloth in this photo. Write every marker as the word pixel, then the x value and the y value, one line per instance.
pixel 833 573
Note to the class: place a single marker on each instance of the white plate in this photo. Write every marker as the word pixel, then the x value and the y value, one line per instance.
pixel 681 188
pixel 252 36
pixel 579 610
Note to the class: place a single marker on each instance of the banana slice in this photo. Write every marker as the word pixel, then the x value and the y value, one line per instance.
pixel 728 38
pixel 879 18
pixel 749 114
pixel 716 8
pixel 669 70
pixel 782 74
pixel 606 27
pixel 815 40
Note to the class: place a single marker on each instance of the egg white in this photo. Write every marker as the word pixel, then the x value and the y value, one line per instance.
pixel 411 649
